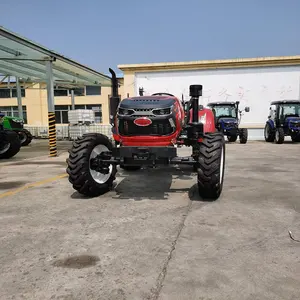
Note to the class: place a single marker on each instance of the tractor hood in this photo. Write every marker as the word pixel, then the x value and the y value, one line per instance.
pixel 292 119
pixel 147 102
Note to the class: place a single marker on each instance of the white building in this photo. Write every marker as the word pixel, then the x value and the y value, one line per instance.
pixel 254 82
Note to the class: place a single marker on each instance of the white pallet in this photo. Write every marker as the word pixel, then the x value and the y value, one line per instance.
pixel 83 116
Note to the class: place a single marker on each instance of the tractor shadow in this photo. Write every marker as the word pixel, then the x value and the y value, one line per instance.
pixel 156 183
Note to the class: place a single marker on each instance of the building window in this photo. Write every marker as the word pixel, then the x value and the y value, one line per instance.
pixel 11 93
pixel 12 111
pixel 61 112
pixel 79 92
pixel 92 90
pixel 60 92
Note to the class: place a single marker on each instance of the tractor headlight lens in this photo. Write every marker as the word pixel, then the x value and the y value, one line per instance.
pixel 125 111
pixel 162 111
pixel 17 120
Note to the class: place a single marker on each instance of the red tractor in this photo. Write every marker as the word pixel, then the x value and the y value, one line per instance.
pixel 147 131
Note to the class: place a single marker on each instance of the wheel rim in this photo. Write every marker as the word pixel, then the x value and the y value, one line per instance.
pixel 4 148
pixel 221 165
pixel 277 135
pixel 98 176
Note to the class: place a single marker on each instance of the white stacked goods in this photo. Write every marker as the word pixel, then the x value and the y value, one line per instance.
pixel 76 131
pixel 81 116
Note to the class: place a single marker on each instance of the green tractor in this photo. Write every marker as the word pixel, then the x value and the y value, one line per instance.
pixel 17 125
pixel 10 143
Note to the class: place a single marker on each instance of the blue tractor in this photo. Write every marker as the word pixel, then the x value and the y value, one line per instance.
pixel 228 118
pixel 283 120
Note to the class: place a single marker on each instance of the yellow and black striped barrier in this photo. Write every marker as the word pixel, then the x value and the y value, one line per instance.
pixel 52 134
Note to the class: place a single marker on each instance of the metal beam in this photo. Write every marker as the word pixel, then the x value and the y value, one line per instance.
pixel 19 97
pixel 72 99
pixel 3 78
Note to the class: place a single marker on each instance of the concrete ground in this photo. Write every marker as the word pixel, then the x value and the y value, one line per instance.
pixel 152 237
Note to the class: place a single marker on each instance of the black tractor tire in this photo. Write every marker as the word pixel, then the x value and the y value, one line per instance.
pixel 295 138
pixel 279 136
pixel 211 166
pixel 14 144
pixel 243 135
pixel 78 165
pixel 27 137
pixel 269 134
pixel 130 168
pixel 232 138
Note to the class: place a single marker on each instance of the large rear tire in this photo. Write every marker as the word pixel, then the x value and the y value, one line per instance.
pixel 211 166
pixel 269 134
pixel 243 135
pixel 279 136
pixel 83 179
pixel 12 145
pixel 25 137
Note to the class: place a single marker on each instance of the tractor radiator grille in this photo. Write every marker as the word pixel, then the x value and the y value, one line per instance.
pixel 15 125
pixel 158 127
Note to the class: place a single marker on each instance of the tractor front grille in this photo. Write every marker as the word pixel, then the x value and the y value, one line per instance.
pixel 158 127
pixel 15 125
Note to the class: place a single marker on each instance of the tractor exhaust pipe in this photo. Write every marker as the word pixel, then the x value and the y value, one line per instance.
pixel 195 93
pixel 114 99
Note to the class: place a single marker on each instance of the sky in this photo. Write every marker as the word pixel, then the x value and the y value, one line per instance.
pixel 103 34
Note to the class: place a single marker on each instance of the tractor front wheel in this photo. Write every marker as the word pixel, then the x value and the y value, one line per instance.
pixel 211 166
pixel 279 136
pixel 295 138
pixel 269 133
pixel 87 180
pixel 232 138
pixel 243 135
pixel 25 137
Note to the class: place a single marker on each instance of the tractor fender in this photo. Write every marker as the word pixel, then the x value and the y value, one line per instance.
pixel 207 117
pixel 271 123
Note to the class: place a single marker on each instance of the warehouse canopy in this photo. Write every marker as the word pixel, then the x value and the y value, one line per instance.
pixel 20 57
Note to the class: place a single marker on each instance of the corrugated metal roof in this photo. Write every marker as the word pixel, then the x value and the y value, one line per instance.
pixel 26 59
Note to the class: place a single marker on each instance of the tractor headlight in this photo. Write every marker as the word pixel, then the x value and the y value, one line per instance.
pixel 18 121
pixel 162 111
pixel 125 111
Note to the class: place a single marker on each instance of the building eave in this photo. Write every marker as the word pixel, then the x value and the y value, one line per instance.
pixel 214 64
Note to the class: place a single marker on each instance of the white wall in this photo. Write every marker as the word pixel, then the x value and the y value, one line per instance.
pixel 254 87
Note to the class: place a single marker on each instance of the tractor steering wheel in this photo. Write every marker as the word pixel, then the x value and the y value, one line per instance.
pixel 167 94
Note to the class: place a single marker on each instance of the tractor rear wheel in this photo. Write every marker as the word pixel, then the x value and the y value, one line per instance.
pixel 85 180
pixel 25 137
pixel 243 135
pixel 232 138
pixel 269 134
pixel 211 166
pixel 279 136
pixel 9 146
